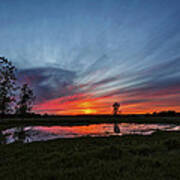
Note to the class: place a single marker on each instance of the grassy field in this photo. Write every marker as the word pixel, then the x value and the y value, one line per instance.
pixel 128 157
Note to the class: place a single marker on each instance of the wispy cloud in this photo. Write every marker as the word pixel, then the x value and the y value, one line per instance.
pixel 93 53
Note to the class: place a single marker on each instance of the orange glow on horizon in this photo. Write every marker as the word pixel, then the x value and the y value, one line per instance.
pixel 89 111
pixel 86 104
pixel 75 110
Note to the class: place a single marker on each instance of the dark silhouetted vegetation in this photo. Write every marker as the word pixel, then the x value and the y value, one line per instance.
pixel 8 91
pixel 26 99
pixel 7 85
pixel 165 113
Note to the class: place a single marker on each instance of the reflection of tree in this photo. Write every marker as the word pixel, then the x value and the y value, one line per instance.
pixel 20 134
pixel 2 138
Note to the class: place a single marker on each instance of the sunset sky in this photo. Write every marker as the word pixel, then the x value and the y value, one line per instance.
pixel 80 56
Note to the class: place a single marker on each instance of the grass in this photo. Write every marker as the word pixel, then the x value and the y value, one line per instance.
pixel 128 157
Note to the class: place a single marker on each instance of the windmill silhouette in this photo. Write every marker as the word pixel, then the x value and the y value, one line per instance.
pixel 116 107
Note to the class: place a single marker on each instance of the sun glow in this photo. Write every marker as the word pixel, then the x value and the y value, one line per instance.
pixel 89 111
pixel 86 104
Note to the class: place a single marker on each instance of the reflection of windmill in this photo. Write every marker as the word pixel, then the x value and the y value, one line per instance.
pixel 116 128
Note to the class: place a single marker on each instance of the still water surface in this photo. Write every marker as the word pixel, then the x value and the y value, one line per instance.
pixel 44 133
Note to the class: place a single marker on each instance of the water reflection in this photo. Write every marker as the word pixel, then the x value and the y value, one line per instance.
pixel 2 138
pixel 44 133
pixel 21 135
pixel 116 128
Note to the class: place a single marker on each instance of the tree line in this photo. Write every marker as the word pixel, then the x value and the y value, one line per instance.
pixel 14 98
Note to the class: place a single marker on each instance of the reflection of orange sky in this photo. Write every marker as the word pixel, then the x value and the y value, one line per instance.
pixel 102 129
pixel 89 104
pixel 83 130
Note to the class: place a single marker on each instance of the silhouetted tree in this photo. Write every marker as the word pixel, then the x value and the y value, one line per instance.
pixel 7 85
pixel 116 108
pixel 165 113
pixel 26 99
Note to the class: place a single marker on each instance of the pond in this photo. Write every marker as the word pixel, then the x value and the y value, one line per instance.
pixel 44 133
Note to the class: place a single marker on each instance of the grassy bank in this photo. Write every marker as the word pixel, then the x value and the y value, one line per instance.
pixel 128 157
pixel 85 120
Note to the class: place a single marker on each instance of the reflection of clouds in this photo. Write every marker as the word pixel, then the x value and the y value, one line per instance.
pixel 44 133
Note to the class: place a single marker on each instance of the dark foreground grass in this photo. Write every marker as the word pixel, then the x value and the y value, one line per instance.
pixel 128 157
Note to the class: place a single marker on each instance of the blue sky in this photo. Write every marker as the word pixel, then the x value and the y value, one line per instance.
pixel 98 47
